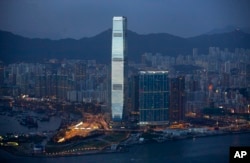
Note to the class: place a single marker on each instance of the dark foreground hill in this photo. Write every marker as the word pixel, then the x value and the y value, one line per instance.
pixel 14 48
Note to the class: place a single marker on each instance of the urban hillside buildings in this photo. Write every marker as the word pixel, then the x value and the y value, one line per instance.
pixel 140 93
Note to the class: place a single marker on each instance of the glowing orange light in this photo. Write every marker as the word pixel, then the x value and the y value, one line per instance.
pixel 210 87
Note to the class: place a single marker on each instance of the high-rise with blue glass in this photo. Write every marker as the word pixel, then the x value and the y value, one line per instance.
pixel 118 67
pixel 153 97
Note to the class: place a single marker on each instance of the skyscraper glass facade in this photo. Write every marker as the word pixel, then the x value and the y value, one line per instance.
pixel 118 67
pixel 177 99
pixel 153 97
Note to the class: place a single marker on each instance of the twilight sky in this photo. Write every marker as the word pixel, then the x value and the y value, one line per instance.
pixel 57 19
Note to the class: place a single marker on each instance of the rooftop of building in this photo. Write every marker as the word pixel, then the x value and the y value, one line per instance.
pixel 153 72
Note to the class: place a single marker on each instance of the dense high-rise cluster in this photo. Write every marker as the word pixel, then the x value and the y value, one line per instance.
pixel 158 90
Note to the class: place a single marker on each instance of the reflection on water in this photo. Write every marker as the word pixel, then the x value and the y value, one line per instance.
pixel 206 149
pixel 11 125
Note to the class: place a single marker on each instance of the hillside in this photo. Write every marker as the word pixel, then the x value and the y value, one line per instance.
pixel 14 48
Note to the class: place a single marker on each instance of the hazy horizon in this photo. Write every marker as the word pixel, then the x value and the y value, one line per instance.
pixel 66 19
pixel 104 30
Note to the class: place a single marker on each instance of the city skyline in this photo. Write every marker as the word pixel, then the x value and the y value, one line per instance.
pixel 106 94
pixel 212 88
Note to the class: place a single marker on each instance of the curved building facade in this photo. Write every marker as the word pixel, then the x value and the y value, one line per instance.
pixel 118 67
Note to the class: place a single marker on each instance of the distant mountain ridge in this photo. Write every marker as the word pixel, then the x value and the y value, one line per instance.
pixel 15 48
pixel 227 29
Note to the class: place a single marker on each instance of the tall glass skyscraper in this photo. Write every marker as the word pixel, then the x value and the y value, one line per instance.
pixel 177 99
pixel 153 97
pixel 118 67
